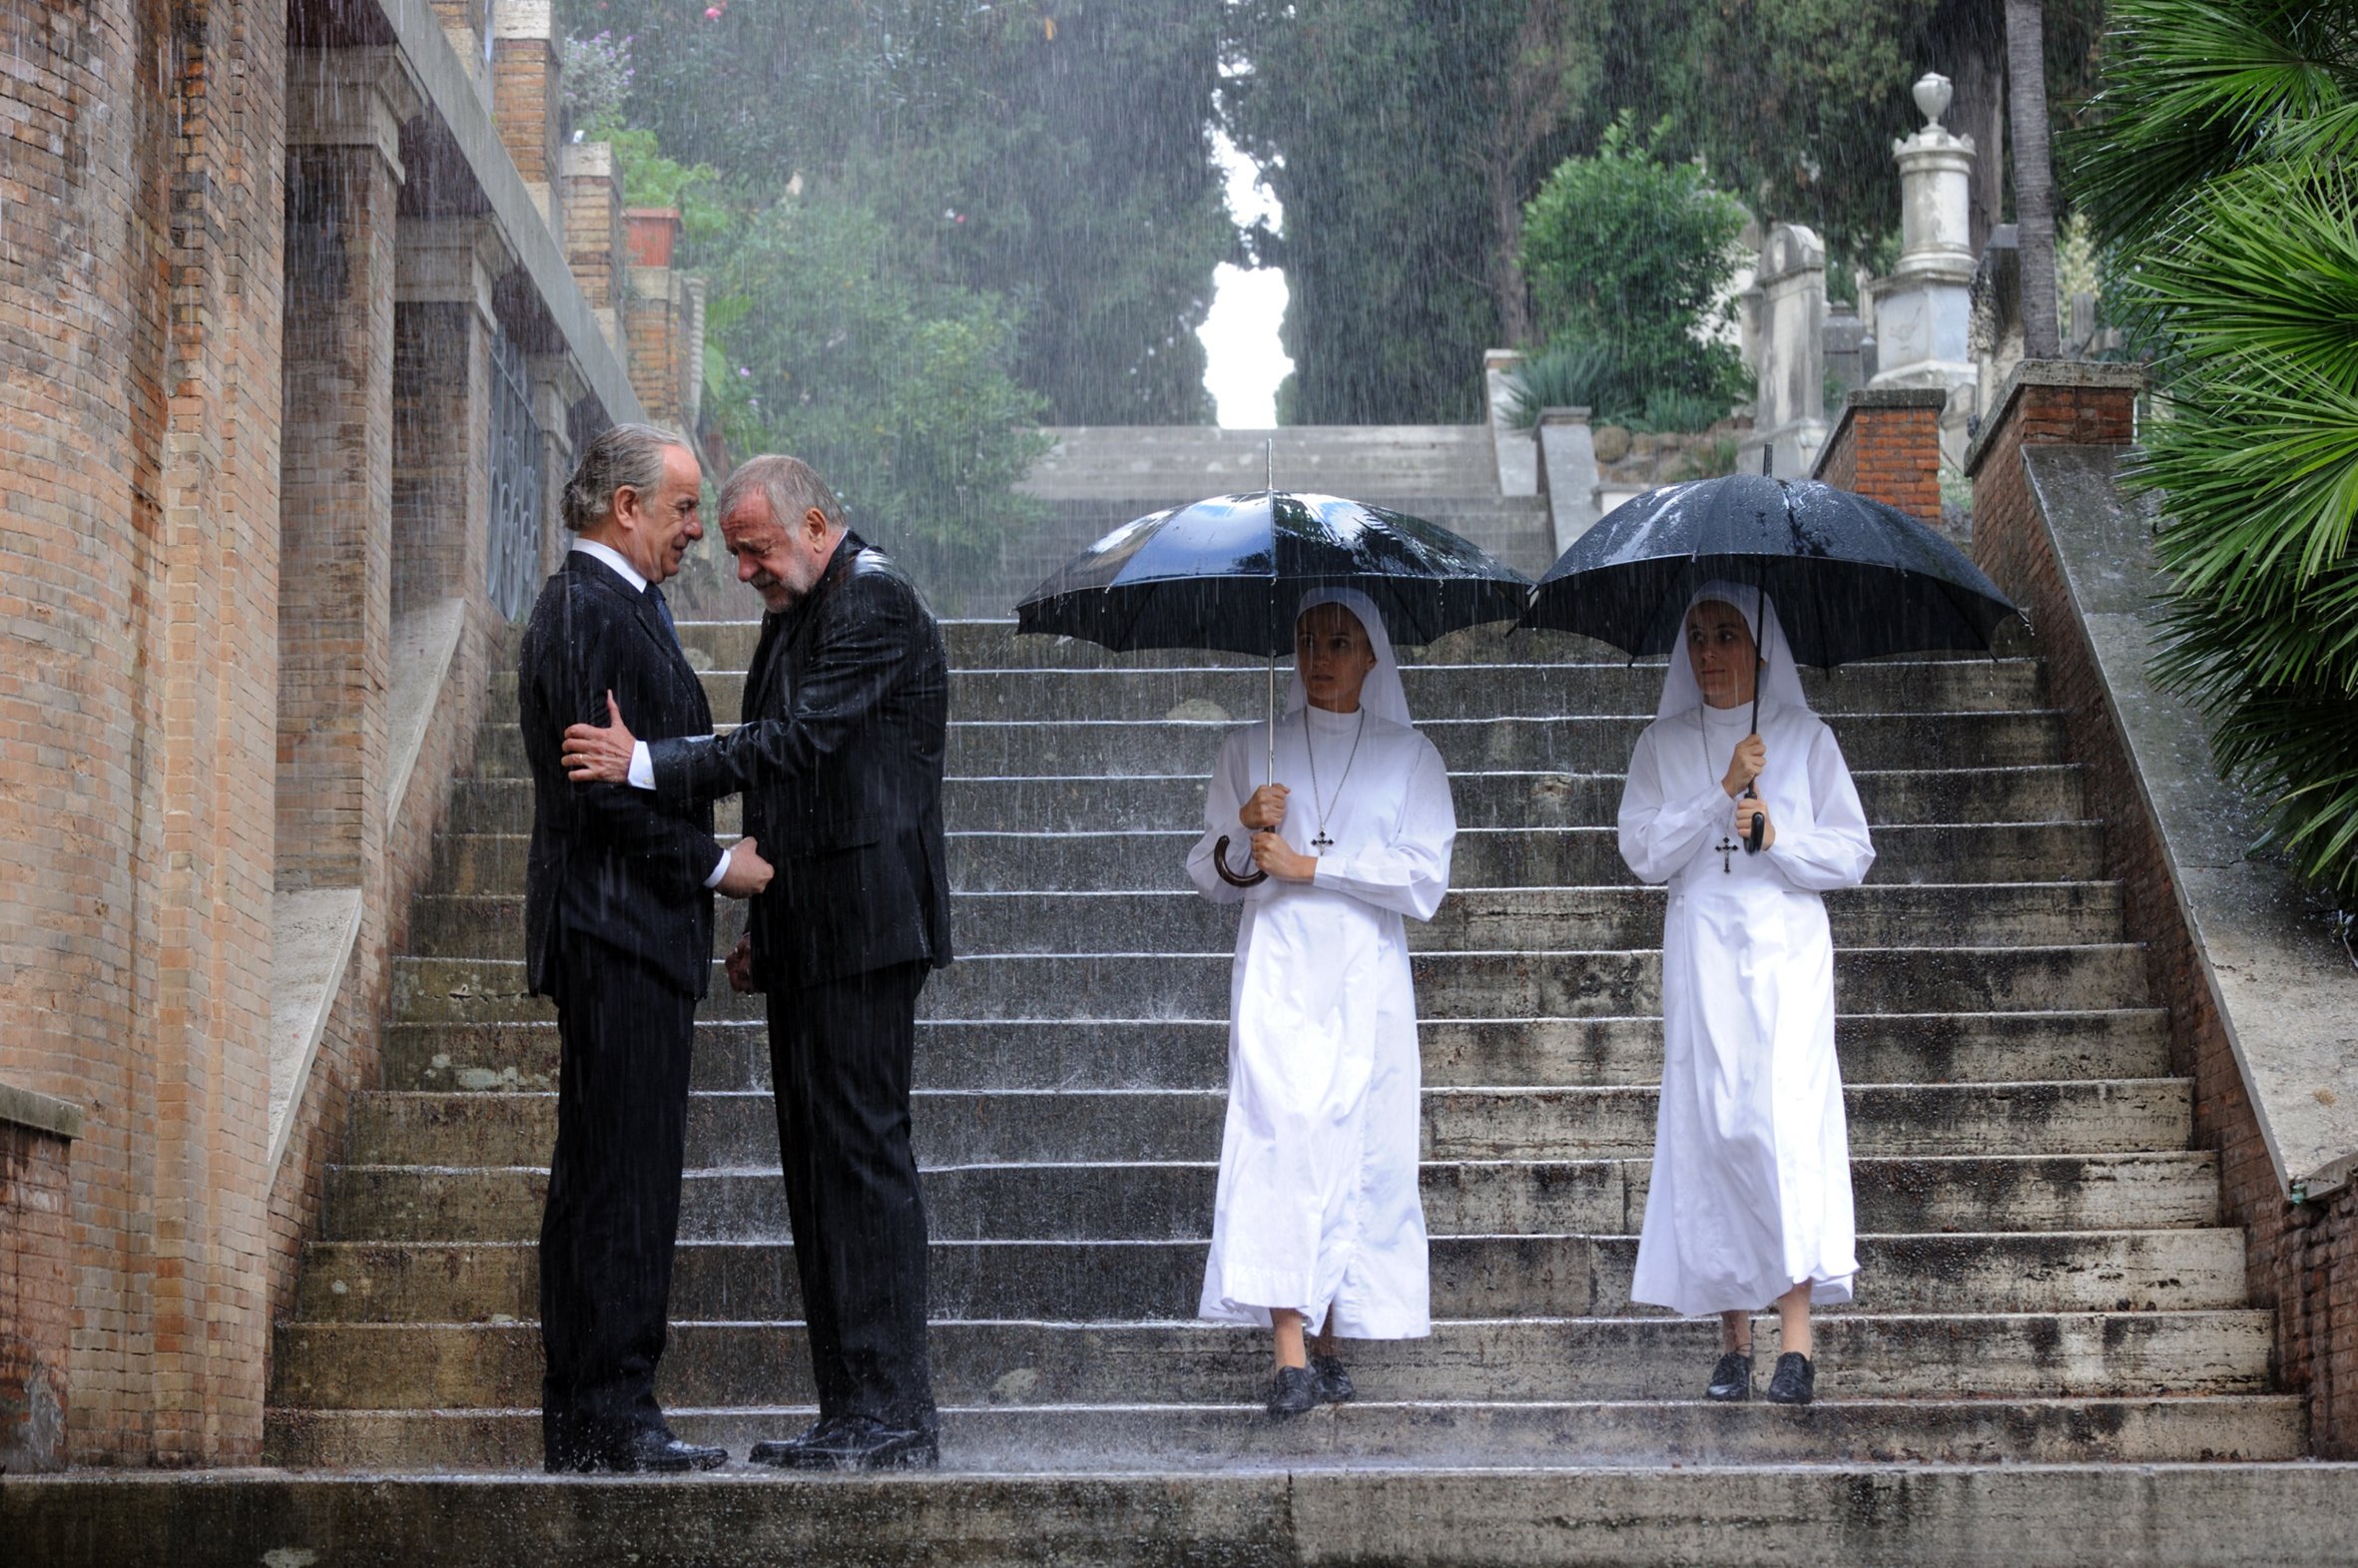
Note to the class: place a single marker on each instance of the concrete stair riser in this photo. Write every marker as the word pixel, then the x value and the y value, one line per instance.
pixel 1173 1202
pixel 1423 1436
pixel 1178 747
pixel 1449 984
pixel 1473 1276
pixel 1193 1054
pixel 390 1367
pixel 1496 799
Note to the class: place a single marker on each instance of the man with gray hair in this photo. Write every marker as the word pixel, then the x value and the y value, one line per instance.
pixel 618 921
pixel 840 759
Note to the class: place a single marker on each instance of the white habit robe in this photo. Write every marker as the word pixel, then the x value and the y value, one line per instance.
pixel 1752 1190
pixel 1318 1203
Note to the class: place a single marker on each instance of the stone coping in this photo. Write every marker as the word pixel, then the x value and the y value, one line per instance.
pixel 2044 372
pixel 2287 995
pixel 313 934
pixel 452 95
pixel 40 1112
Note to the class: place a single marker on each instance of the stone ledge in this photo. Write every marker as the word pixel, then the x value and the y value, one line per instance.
pixel 40 1112
pixel 2287 997
pixel 424 642
pixel 2045 372
pixel 313 934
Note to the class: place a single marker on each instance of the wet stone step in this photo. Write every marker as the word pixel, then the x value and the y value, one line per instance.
pixel 1193 1054
pixel 1173 1200
pixel 1449 984
pixel 958 1127
pixel 1473 1276
pixel 1860 1355
pixel 1985 914
pixel 1032 861
pixel 1545 745
pixel 1483 799
pixel 1101 1438
pixel 1434 691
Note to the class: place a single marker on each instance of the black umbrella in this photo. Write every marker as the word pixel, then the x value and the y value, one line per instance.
pixel 1227 573
pixel 1852 577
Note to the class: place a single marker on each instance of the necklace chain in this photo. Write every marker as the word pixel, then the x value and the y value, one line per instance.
pixel 1328 809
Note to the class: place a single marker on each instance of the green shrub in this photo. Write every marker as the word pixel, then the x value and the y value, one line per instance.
pixel 1630 253
pixel 1575 374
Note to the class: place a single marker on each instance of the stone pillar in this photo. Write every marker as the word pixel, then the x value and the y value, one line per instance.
pixel 443 328
pixel 344 178
pixel 592 196
pixel 467 24
pixel 664 321
pixel 1567 472
pixel 1887 446
pixel 524 102
pixel 1518 450
pixel 557 387
pixel 1787 328
pixel 1923 311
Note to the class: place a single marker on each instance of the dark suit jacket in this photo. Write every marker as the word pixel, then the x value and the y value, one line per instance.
pixel 611 866
pixel 839 760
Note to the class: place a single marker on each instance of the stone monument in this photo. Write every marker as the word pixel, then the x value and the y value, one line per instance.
pixel 1923 311
pixel 1785 340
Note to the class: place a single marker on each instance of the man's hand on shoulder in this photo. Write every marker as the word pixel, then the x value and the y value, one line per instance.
pixel 601 754
pixel 747 874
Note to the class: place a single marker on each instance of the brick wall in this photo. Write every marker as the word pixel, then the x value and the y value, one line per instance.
pixel 2301 1259
pixel 1886 445
pixel 36 1293
pixel 524 101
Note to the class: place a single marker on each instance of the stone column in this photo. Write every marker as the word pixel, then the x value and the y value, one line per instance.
pixel 443 328
pixel 344 178
pixel 467 24
pixel 592 199
pixel 1787 323
pixel 557 387
pixel 1518 450
pixel 1923 311
pixel 1567 472
pixel 524 71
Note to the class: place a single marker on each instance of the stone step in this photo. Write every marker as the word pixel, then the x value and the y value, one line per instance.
pixel 963 1127
pixel 1173 1202
pixel 1434 691
pixel 1450 985
pixel 1499 800
pixel 1193 1054
pixel 1549 1500
pixel 1473 1276
pixel 342 1366
pixel 1193 461
pixel 1481 858
pixel 2137 1430
pixel 1985 914
pixel 1179 746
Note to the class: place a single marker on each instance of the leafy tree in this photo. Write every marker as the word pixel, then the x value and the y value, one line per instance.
pixel 1630 253
pixel 2222 168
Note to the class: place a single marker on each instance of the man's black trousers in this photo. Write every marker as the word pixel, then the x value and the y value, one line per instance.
pixel 841 1056
pixel 625 1036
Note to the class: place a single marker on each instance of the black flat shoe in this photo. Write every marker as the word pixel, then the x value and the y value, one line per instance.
pixel 656 1452
pixel 1292 1392
pixel 1330 1381
pixel 1795 1380
pixel 853 1443
pixel 1731 1379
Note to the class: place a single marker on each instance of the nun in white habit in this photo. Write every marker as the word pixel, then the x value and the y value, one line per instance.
pixel 1750 1202
pixel 1318 1221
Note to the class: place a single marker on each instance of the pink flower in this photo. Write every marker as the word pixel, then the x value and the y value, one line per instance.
pixel 712 13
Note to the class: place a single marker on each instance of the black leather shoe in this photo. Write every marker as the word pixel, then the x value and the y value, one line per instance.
pixel 1731 1379
pixel 1292 1392
pixel 1795 1380
pixel 1330 1381
pixel 657 1452
pixel 852 1442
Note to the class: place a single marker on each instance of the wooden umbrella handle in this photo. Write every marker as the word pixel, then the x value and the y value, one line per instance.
pixel 1234 879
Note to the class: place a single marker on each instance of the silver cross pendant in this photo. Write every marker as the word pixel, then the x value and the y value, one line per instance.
pixel 1322 844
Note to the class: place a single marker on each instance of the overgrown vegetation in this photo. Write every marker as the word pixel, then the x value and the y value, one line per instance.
pixel 2222 173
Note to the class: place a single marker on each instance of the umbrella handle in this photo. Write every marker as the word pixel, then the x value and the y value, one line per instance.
pixel 1234 879
pixel 1759 829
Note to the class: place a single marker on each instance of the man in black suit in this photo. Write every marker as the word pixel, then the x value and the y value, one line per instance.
pixel 618 920
pixel 840 759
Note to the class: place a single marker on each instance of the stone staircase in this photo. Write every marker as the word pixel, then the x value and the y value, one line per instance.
pixel 1100 477
pixel 2046 1275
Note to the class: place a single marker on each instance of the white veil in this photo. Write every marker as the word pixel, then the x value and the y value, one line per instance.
pixel 1383 695
pixel 1779 682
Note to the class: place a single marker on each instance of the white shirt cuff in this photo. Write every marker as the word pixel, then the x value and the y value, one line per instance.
pixel 642 767
pixel 720 870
